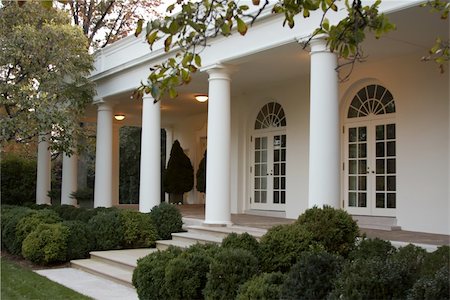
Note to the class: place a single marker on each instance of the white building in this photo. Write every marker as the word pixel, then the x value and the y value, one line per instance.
pixel 283 133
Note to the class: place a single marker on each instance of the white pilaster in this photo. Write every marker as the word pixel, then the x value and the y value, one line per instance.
pixel 103 156
pixel 150 180
pixel 324 127
pixel 43 180
pixel 217 207
pixel 69 179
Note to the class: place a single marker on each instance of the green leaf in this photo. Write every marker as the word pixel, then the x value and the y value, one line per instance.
pixel 151 38
pixel 167 43
pixel 187 59
pixel 198 60
pixel 305 13
pixel 173 27
pixel 47 3
pixel 225 29
pixel 139 27
pixel 242 27
pixel 326 24
pixel 172 93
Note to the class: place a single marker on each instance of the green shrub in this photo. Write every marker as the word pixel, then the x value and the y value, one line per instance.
pixel 107 229
pixel 242 241
pixel 411 259
pixel 436 260
pixel 368 248
pixel 185 275
pixel 148 277
pixel 138 230
pixel 229 269
pixel 282 245
pixel 30 222
pixel 262 287
pixel 373 278
pixel 47 244
pixel 67 212
pixel 18 184
pixel 167 219
pixel 431 287
pixel 312 277
pixel 79 240
pixel 333 228
pixel 85 214
pixel 10 219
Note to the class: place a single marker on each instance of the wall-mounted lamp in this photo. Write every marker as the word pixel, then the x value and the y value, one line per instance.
pixel 119 117
pixel 201 98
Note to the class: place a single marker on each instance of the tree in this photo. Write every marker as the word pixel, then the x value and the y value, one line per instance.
pixel 201 175
pixel 188 31
pixel 104 22
pixel 43 67
pixel 179 175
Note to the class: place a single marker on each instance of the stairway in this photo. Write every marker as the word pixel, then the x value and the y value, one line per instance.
pixel 375 222
pixel 118 265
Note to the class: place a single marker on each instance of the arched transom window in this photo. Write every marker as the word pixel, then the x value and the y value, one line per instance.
pixel 373 99
pixel 271 115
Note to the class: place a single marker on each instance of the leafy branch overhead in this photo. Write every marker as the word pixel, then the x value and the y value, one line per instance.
pixel 187 32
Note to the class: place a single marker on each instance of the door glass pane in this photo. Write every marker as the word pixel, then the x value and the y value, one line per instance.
pixel 257 143
pixel 352 135
pixel 263 197
pixel 362 150
pixel 390 148
pixel 276 197
pixel 391 203
pixel 283 197
pixel 380 200
pixel 362 134
pixel 257 170
pixel 264 143
pixel 391 183
pixel 391 166
pixel 283 183
pixel 264 183
pixel 257 199
pixel 264 156
pixel 352 199
pixel 380 183
pixel 257 183
pixel 352 183
pixel 352 151
pixel 362 166
pixel 276 169
pixel 257 155
pixel 380 166
pixel 276 155
pixel 380 149
pixel 379 132
pixel 390 131
pixel 362 200
pixel 283 155
pixel 277 142
pixel 263 170
pixel 283 140
pixel 276 182
pixel 362 183
pixel 283 168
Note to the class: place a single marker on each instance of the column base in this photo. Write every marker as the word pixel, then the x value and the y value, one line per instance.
pixel 217 224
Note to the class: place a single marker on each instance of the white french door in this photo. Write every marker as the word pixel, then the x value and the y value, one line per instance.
pixel 268 171
pixel 370 168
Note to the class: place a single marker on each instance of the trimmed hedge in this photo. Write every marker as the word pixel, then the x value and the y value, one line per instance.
pixel 138 230
pixel 148 277
pixel 79 240
pixel 167 219
pixel 312 277
pixel 230 269
pixel 107 229
pixel 47 244
pixel 436 286
pixel 242 241
pixel 10 218
pixel 262 287
pixel 18 184
pixel 368 248
pixel 333 228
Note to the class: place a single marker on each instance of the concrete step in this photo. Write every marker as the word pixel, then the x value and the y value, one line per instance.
pixel 164 244
pixel 105 270
pixel 126 258
pixel 222 232
pixel 201 238
pixel 376 222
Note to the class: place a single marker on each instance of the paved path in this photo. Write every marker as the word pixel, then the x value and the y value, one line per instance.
pixel 89 285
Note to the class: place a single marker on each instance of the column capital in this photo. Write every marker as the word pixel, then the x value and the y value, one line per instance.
pixel 318 44
pixel 218 71
pixel 148 97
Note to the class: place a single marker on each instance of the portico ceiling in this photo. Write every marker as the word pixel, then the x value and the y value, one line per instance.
pixel 416 31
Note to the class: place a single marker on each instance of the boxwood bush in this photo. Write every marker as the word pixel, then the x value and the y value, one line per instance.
pixel 18 184
pixel 79 240
pixel 313 276
pixel 138 230
pixel 167 219
pixel 282 245
pixel 431 287
pixel 185 275
pixel 30 222
pixel 47 244
pixel 262 287
pixel 10 218
pixel 107 229
pixel 242 241
pixel 376 247
pixel 148 277
pixel 229 269
pixel 333 228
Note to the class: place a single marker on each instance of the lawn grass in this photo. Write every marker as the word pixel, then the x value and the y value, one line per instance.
pixel 20 283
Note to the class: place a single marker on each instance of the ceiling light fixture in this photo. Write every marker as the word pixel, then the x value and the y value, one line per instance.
pixel 119 117
pixel 201 98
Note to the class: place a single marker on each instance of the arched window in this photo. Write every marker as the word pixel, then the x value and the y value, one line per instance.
pixel 373 99
pixel 271 115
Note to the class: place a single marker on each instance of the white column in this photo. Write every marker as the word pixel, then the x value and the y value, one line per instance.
pixel 217 208
pixel 169 142
pixel 150 179
pixel 44 167
pixel 69 179
pixel 116 165
pixel 324 186
pixel 103 156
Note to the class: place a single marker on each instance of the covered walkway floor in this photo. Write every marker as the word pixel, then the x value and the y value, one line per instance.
pixel 197 211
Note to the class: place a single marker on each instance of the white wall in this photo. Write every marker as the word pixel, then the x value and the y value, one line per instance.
pixel 422 115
